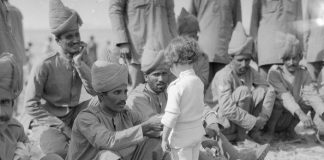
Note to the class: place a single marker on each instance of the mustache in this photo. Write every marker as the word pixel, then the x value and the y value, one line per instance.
pixel 123 102
pixel 4 118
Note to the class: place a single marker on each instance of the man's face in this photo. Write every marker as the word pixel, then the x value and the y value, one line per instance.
pixel 292 62
pixel 6 110
pixel 115 100
pixel 157 80
pixel 241 63
pixel 70 42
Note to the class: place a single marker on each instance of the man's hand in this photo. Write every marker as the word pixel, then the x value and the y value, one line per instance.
pixel 260 122
pixel 77 58
pixel 307 120
pixel 152 124
pixel 212 130
pixel 124 50
pixel 165 146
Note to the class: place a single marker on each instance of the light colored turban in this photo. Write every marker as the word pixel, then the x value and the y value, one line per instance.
pixel 10 77
pixel 287 44
pixel 107 76
pixel 187 23
pixel 240 43
pixel 62 19
pixel 153 57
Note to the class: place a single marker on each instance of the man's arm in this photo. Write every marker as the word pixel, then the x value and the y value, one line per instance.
pixel 311 95
pixel 276 81
pixel 102 138
pixel 229 108
pixel 82 66
pixel 34 92
pixel 171 18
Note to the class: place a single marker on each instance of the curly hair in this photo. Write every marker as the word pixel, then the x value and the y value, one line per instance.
pixel 182 50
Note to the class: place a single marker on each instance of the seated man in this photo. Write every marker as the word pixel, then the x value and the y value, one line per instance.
pixel 13 141
pixel 321 83
pixel 57 88
pixel 238 93
pixel 107 129
pixel 296 92
pixel 150 99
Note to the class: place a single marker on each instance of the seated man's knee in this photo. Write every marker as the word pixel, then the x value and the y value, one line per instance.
pixel 243 96
pixel 53 141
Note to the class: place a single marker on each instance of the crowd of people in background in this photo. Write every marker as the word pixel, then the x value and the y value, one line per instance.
pixel 165 87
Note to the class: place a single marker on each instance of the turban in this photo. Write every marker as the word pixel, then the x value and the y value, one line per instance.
pixel 187 23
pixel 286 44
pixel 10 77
pixel 240 43
pixel 62 19
pixel 153 57
pixel 107 76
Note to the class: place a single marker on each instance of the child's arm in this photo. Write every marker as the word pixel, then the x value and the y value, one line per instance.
pixel 165 142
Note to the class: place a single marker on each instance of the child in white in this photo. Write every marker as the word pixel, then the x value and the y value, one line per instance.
pixel 183 129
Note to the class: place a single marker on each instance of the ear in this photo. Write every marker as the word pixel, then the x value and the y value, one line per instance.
pixel 146 77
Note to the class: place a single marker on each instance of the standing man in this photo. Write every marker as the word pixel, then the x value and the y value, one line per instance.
pixel 54 90
pixel 238 94
pixel 296 92
pixel 15 20
pixel 107 129
pixel 134 22
pixel 188 25
pixel 217 19
pixel 314 34
pixel 14 143
pixel 273 16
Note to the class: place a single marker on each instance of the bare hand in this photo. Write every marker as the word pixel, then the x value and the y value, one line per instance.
pixel 260 122
pixel 165 146
pixel 124 50
pixel 307 120
pixel 77 58
pixel 212 130
pixel 152 124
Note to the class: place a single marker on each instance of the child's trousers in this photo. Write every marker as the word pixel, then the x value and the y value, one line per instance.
pixel 187 153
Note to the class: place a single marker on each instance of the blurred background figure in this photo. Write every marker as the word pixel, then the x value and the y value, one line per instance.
pixel 134 22
pixel 29 57
pixel 313 51
pixel 270 17
pixel 49 46
pixel 216 21
pixel 92 49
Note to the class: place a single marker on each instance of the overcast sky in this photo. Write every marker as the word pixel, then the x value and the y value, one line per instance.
pixel 94 13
